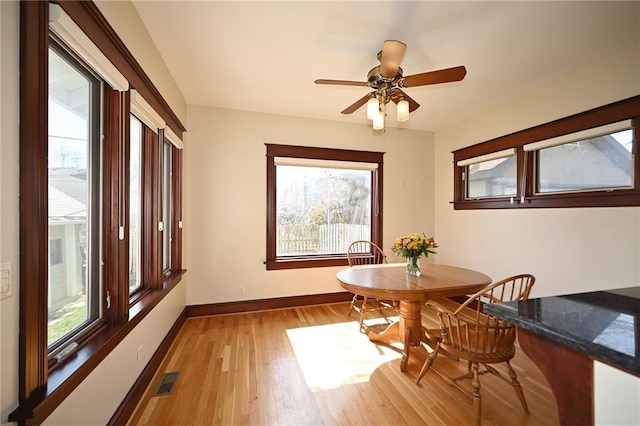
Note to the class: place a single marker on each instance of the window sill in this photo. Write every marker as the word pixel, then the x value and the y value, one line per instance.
pixel 73 370
pixel 615 198
pixel 306 262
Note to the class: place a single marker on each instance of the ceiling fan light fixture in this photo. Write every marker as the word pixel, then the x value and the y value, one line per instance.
pixel 402 111
pixel 378 121
pixel 373 106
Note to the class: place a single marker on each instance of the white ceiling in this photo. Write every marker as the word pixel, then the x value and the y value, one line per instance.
pixel 264 56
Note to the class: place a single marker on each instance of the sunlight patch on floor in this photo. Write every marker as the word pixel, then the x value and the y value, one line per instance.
pixel 337 354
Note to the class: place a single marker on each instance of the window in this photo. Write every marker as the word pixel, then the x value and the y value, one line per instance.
pixel 319 201
pixel 585 160
pixel 73 197
pixel 601 161
pixel 78 182
pixel 492 175
pixel 166 207
pixel 173 195
pixel 135 206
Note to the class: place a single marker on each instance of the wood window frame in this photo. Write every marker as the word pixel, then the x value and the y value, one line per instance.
pixel 627 109
pixel 41 388
pixel 176 194
pixel 273 262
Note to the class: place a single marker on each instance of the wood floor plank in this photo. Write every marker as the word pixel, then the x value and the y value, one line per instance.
pixel 311 366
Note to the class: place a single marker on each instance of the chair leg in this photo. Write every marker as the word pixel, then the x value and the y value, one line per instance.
pixel 477 402
pixel 363 311
pixel 354 301
pixel 517 387
pixel 428 363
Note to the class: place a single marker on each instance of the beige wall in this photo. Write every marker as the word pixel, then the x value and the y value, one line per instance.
pixel 9 18
pixel 225 188
pixel 569 250
pixel 126 22
pixel 96 399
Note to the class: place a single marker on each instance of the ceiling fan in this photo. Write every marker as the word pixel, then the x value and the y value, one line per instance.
pixel 387 80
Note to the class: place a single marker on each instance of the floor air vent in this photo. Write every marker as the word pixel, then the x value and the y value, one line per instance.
pixel 166 384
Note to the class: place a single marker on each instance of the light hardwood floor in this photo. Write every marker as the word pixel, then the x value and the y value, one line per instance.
pixel 311 366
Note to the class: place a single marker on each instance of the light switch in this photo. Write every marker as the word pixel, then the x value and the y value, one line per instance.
pixel 6 281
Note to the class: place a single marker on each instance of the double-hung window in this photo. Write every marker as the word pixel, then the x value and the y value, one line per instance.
pixel 319 201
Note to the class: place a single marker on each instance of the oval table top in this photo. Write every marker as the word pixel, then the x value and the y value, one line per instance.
pixel 390 281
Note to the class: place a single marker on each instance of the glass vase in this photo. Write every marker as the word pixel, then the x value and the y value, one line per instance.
pixel 413 266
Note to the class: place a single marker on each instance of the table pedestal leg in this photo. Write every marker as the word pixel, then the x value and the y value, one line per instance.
pixel 408 330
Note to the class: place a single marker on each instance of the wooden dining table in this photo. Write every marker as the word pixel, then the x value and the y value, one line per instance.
pixel 391 282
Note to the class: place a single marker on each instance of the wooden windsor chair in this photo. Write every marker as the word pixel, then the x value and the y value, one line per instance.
pixel 363 252
pixel 468 333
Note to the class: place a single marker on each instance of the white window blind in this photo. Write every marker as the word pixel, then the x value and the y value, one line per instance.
pixel 326 164
pixel 145 112
pixel 491 156
pixel 173 138
pixel 579 136
pixel 63 26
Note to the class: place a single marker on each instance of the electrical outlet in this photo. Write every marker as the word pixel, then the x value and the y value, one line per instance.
pixel 241 289
pixel 6 280
pixel 139 355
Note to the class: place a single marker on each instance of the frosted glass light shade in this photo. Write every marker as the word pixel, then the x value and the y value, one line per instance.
pixel 378 121
pixel 402 111
pixel 372 108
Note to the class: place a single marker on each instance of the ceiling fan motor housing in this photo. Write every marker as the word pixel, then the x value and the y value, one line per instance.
pixel 376 80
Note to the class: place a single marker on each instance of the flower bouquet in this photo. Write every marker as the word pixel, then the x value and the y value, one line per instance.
pixel 413 246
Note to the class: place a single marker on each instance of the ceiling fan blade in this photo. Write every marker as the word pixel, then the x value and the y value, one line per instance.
pixel 341 82
pixel 392 53
pixel 446 75
pixel 357 104
pixel 397 95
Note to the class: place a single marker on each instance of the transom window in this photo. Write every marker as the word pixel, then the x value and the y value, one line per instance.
pixel 320 200
pixel 601 161
pixel 492 175
pixel 585 160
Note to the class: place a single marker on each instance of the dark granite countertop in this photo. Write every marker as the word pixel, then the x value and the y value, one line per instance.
pixel 604 325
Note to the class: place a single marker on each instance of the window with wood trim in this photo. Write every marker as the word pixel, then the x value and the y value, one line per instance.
pixel 78 201
pixel 584 160
pixel 135 205
pixel 74 231
pixel 319 200
pixel 167 204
